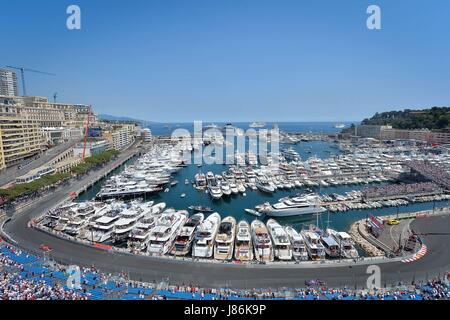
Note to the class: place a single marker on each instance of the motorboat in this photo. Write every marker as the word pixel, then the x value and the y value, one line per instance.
pixel 345 243
pixel 261 242
pixel 243 248
pixel 224 244
pixel 203 246
pixel 280 239
pixel 295 206
pixel 299 251
pixel 183 241
pixel 314 246
pixel 165 231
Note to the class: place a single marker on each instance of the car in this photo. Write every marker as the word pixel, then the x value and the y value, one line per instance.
pixel 393 222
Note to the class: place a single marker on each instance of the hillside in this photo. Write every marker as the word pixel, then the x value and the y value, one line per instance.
pixel 436 118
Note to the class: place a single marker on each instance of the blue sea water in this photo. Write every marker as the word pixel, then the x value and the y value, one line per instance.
pixel 306 127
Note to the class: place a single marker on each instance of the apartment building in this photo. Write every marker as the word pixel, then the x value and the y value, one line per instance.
pixel 121 136
pixel 20 138
pixel 8 83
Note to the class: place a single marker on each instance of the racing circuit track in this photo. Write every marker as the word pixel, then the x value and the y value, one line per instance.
pixel 435 235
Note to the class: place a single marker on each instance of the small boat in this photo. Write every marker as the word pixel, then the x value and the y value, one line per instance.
pixel 174 183
pixel 186 182
pixel 200 209
pixel 253 212
pixel 183 195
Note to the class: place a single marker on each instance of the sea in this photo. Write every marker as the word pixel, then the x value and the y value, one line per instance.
pixel 234 205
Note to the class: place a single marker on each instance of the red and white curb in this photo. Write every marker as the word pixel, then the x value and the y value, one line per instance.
pixel 418 255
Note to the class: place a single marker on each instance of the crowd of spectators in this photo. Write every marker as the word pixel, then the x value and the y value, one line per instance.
pixel 400 190
pixel 434 172
pixel 17 284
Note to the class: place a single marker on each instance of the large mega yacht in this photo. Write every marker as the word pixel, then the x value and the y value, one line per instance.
pixel 295 206
pixel 243 250
pixel 205 235
pixel 314 247
pixel 224 245
pixel 345 243
pixel 299 251
pixel 166 229
pixel 183 241
pixel 261 242
pixel 281 243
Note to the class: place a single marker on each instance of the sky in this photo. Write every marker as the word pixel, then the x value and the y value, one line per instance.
pixel 233 60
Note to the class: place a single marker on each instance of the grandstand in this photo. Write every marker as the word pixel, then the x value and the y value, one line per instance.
pixel 24 276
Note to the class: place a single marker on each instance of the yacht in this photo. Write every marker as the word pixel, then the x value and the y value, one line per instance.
pixel 205 235
pixel 163 234
pixel 299 251
pixel 234 188
pixel 296 206
pixel 183 241
pixel 281 243
pixel 214 190
pixel 261 242
pixel 314 247
pixel 257 125
pixel 200 181
pixel 345 242
pixel 102 228
pixel 126 223
pixel 225 188
pixel 75 225
pixel 224 245
pixel 243 246
pixel 330 246
pixel 158 208
pixel 263 185
pixel 339 126
pixel 138 237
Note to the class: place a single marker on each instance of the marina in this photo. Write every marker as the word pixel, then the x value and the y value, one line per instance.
pixel 129 210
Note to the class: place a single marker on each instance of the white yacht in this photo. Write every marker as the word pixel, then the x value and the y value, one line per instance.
pixel 183 241
pixel 214 190
pixel 158 208
pixel 314 247
pixel 296 206
pixel 299 251
pixel 225 188
pixel 263 185
pixel 330 246
pixel 224 244
pixel 163 234
pixel 102 228
pixel 257 125
pixel 345 242
pixel 200 181
pixel 138 237
pixel 261 242
pixel 243 250
pixel 281 243
pixel 205 235
pixel 126 223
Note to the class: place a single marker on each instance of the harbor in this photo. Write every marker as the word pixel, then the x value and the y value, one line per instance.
pixel 163 205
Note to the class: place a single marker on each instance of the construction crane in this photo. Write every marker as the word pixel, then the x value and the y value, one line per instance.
pixel 22 73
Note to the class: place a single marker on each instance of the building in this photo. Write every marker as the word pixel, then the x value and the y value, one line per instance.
pixel 121 136
pixel 146 135
pixel 370 131
pixel 20 138
pixel 8 83
pixel 92 148
pixel 53 114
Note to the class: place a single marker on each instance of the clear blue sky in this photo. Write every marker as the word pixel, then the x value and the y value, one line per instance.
pixel 234 60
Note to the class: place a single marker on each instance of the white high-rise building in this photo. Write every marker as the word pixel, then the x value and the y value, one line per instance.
pixel 8 83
